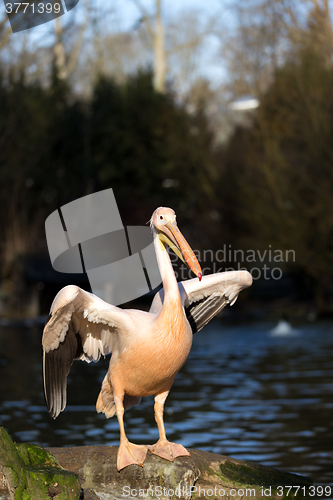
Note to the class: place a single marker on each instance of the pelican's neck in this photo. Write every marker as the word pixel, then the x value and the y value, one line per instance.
pixel 171 291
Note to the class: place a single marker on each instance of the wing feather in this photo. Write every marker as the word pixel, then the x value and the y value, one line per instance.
pixel 203 300
pixel 202 311
pixel 56 366
pixel 82 326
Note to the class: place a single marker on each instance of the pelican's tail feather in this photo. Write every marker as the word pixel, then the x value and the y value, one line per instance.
pixel 105 402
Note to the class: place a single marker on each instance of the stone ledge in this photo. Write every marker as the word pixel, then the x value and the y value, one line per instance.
pixel 203 475
pixel 96 468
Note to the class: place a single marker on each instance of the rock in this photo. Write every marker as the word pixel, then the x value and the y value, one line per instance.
pixel 203 475
pixel 96 467
pixel 32 473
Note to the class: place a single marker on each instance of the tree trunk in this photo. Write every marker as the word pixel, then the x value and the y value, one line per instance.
pixel 159 51
pixel 59 52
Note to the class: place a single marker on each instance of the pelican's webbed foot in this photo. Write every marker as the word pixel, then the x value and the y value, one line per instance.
pixel 131 454
pixel 164 449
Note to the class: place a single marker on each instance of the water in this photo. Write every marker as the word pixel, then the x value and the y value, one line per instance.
pixel 243 392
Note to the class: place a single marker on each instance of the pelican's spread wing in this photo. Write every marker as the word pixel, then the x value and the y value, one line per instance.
pixel 82 326
pixel 202 300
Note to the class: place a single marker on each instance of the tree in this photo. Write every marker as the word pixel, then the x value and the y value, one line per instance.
pixel 156 34
pixel 281 167
pixel 5 31
pixel 149 149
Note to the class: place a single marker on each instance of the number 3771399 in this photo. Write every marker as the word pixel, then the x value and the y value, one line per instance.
pixel 40 8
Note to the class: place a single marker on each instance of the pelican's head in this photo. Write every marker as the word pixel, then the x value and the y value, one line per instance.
pixel 163 222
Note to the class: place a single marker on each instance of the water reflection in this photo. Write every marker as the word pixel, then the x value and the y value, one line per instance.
pixel 243 392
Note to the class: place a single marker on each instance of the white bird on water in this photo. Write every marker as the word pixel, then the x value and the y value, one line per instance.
pixel 148 348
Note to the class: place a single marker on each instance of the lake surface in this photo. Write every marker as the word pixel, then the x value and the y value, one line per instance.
pixel 243 392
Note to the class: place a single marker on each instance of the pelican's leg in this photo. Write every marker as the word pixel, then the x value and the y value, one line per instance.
pixel 128 453
pixel 163 448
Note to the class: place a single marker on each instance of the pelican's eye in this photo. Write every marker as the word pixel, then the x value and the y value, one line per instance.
pixel 162 220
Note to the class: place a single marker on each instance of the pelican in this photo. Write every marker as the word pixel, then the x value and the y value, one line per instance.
pixel 148 348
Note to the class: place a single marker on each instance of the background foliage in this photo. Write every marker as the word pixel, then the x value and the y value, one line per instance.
pixel 260 179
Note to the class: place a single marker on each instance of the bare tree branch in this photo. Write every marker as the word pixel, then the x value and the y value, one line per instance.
pixel 146 17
